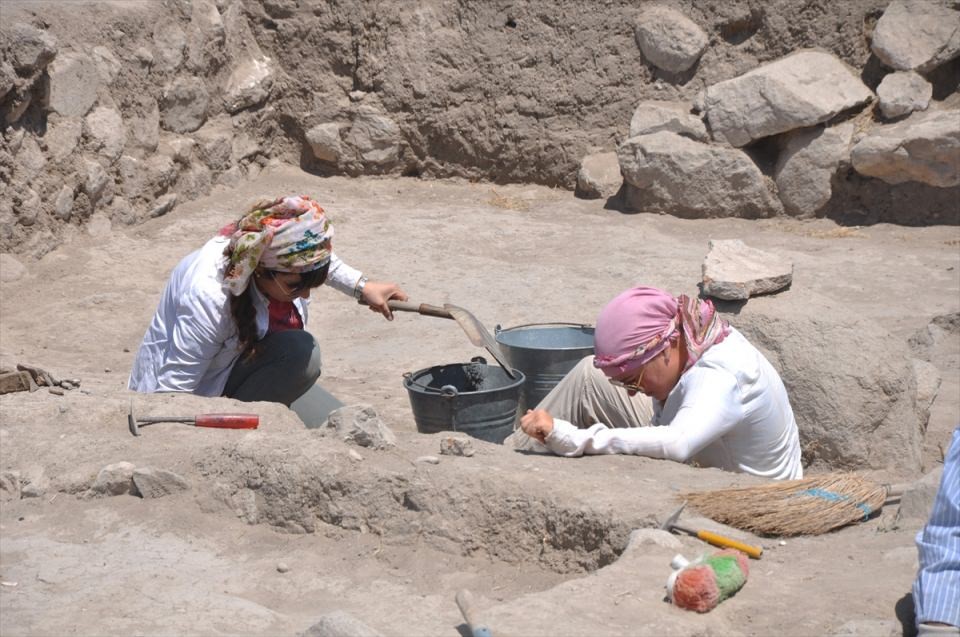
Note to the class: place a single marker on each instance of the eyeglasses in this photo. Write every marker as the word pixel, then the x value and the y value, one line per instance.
pixel 288 290
pixel 632 386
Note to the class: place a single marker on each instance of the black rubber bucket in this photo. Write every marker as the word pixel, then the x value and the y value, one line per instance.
pixel 474 398
pixel 544 353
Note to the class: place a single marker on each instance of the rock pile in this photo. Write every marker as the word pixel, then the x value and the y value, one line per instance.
pixel 811 107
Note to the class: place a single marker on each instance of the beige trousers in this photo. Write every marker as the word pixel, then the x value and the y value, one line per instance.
pixel 585 397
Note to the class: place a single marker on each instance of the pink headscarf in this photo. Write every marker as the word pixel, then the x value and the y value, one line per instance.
pixel 642 322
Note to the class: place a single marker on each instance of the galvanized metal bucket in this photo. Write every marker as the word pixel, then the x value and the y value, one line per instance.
pixel 450 398
pixel 544 353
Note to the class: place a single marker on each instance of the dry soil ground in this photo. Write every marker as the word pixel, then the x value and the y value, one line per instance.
pixel 393 539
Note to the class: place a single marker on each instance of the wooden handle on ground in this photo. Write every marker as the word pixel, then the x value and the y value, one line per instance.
pixel 724 542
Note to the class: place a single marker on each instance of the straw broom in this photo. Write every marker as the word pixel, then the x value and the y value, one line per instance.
pixel 809 506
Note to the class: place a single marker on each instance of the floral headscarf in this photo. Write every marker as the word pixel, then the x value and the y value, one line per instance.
pixel 642 322
pixel 286 235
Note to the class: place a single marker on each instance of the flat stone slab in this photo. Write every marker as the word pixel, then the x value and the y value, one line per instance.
pixel 733 271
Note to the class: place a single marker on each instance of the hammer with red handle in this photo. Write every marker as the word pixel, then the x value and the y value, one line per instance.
pixel 219 421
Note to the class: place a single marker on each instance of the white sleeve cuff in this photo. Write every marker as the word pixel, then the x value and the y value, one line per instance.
pixel 341 276
pixel 566 439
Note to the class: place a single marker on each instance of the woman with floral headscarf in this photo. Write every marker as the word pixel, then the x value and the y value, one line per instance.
pixel 711 396
pixel 232 316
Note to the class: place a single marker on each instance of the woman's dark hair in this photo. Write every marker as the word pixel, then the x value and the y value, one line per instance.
pixel 245 314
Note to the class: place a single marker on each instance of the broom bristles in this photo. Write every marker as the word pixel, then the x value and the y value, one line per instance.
pixel 809 506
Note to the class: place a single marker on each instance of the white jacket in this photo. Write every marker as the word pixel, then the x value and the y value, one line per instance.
pixel 191 344
pixel 729 410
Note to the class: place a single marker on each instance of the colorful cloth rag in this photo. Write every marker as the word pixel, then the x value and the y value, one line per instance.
pixel 642 322
pixel 286 235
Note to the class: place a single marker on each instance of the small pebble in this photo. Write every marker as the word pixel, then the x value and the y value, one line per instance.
pixel 456 447
pixel 783 543
pixel 106 370
pixel 64 409
pixel 56 390
pixel 282 567
pixel 428 459
pixel 354 455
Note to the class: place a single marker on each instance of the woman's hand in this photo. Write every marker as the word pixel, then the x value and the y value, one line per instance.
pixel 377 293
pixel 537 423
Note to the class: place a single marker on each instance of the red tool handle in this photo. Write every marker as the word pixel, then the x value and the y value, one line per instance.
pixel 228 421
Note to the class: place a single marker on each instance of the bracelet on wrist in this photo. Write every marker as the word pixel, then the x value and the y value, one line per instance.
pixel 358 290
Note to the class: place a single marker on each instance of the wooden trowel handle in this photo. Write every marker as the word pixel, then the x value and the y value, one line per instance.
pixel 417 308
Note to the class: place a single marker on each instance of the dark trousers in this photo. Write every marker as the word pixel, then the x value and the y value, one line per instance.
pixel 284 370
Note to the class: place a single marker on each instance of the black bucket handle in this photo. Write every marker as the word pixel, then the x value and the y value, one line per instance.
pixel 447 391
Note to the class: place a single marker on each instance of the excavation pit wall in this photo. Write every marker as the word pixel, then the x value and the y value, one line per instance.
pixel 567 516
pixel 136 108
pixel 468 506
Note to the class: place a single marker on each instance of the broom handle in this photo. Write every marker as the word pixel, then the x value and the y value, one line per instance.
pixel 894 491
pixel 724 542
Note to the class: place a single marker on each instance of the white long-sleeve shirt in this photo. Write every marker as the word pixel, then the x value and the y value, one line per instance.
pixel 729 410
pixel 192 343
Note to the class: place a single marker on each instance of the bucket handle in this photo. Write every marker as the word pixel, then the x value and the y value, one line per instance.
pixel 498 329
pixel 447 391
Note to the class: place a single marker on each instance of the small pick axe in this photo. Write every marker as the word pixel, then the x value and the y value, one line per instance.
pixel 670 524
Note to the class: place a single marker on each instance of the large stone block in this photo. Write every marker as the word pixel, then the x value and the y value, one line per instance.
pixel 806 164
pixel 850 382
pixel 676 175
pixel 183 105
pixel 675 117
pixel 30 48
pixel 249 84
pixel 801 89
pixel 375 138
pixel 72 81
pixel 599 176
pixel 204 35
pixel 902 93
pixel 105 129
pixel 668 39
pixel 324 141
pixel 107 63
pixel 62 137
pixel 916 35
pixel 170 42
pixel 925 147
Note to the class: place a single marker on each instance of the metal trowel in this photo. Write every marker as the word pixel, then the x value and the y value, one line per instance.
pixel 474 329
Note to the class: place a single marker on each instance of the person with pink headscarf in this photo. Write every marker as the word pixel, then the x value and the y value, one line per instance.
pixel 670 379
pixel 231 319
